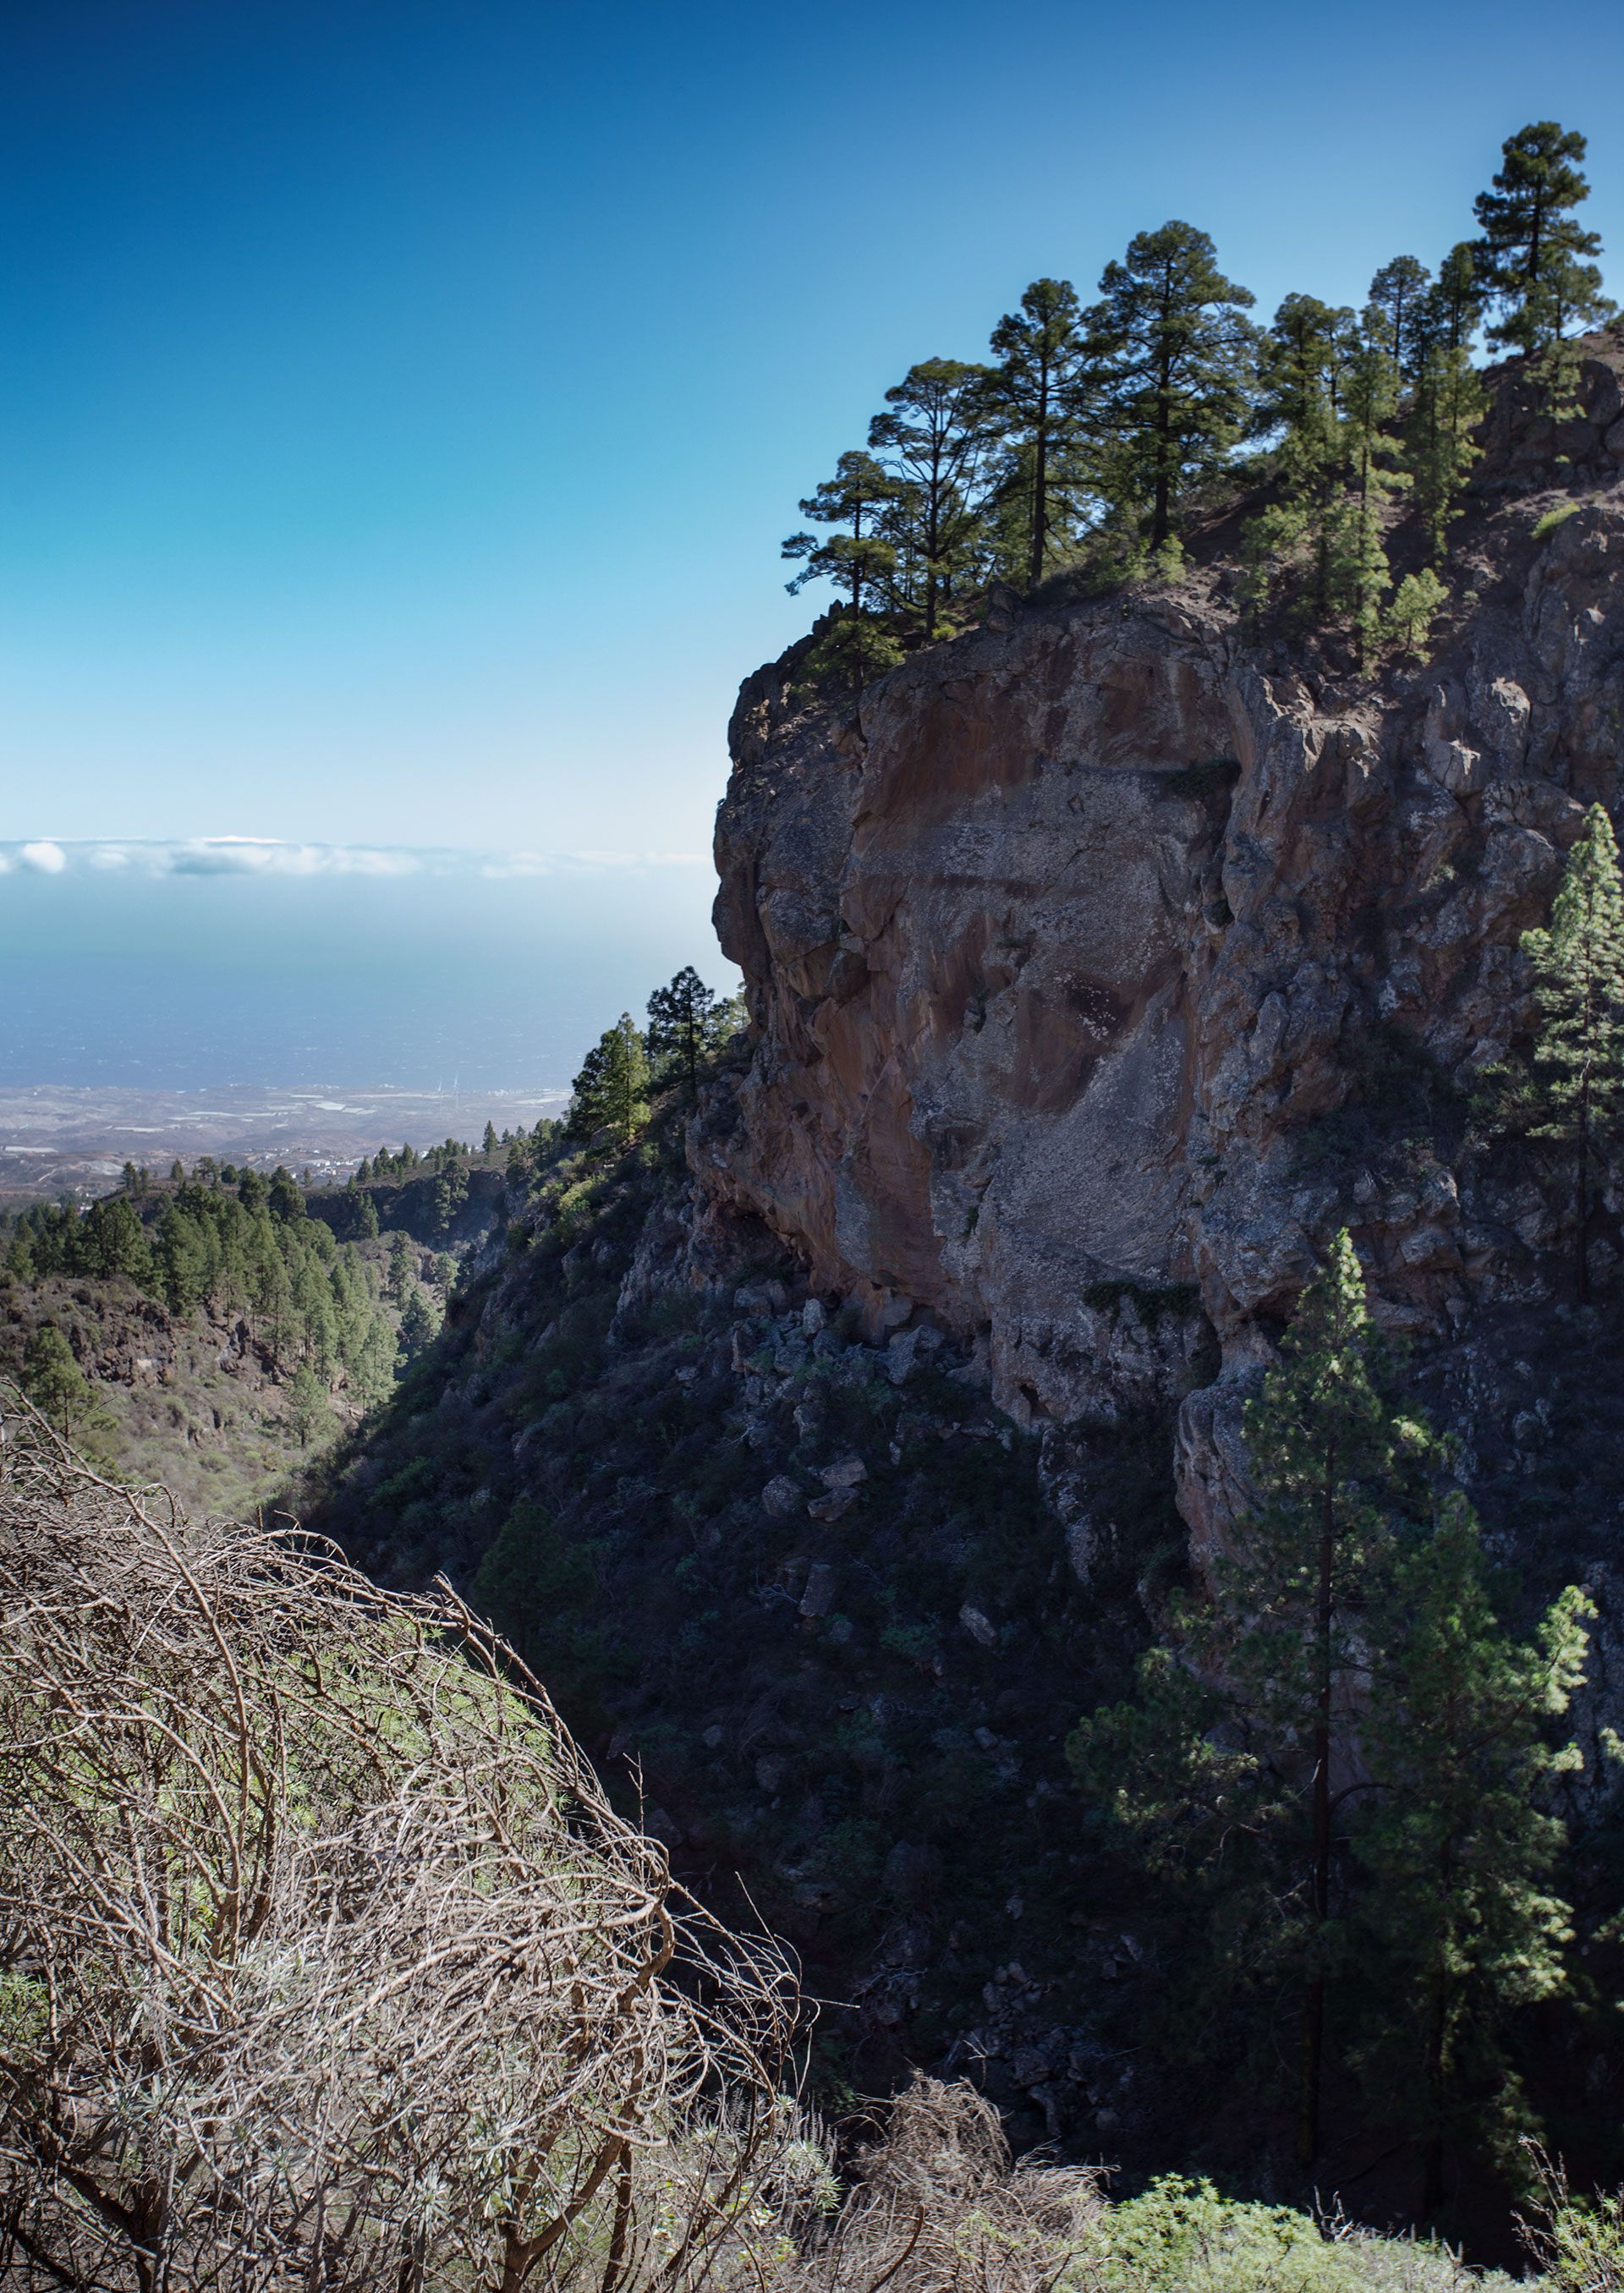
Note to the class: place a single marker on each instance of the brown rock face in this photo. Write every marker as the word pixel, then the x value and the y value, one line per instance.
pixel 1056 955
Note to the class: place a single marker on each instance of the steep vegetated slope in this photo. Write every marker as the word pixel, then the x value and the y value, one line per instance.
pixel 208 1332
pixel 834 1448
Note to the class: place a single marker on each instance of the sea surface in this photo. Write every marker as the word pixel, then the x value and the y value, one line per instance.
pixel 194 968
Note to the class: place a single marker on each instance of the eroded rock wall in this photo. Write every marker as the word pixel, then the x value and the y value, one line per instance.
pixel 1057 953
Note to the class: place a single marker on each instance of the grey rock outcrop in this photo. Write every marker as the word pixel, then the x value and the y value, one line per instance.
pixel 1062 953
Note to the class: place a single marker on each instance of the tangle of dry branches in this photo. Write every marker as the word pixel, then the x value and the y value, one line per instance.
pixel 324 1962
pixel 939 2207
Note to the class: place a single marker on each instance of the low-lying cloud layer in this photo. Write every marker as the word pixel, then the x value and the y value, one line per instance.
pixel 247 856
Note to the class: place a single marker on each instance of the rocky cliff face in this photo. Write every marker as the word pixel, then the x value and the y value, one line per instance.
pixel 1097 965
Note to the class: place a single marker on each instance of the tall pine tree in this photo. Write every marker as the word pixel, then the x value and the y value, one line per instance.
pixel 1578 983
pixel 611 1092
pixel 1255 1768
pixel 1456 1829
pixel 934 437
pixel 681 1020
pixel 1303 360
pixel 1533 257
pixel 1032 392
pixel 1172 363
pixel 861 495
pixel 1359 572
pixel 1446 397
pixel 1329 1456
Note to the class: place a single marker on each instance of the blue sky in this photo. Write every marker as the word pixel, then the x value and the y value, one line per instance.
pixel 402 401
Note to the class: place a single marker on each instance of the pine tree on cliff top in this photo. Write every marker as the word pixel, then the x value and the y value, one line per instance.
pixel 1360 575
pixel 1032 395
pixel 1172 359
pixel 1397 299
pixel 1533 255
pixel 1303 364
pixel 1446 396
pixel 935 434
pixel 1578 983
pixel 862 563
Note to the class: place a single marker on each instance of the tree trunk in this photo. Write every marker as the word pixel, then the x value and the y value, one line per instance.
pixel 1040 484
pixel 1432 2165
pixel 1319 1883
pixel 1161 522
pixel 1584 1183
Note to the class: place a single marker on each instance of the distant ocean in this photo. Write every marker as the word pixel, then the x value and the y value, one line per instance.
pixel 191 967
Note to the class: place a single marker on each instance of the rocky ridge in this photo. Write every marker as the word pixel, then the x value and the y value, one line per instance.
pixel 1071 957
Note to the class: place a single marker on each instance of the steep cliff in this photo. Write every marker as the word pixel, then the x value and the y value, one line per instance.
pixel 1101 964
pixel 1099 967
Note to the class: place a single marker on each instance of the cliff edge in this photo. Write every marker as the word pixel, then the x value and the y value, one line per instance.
pixel 1101 965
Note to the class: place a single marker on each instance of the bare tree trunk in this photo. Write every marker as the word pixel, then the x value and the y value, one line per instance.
pixel 1319 1883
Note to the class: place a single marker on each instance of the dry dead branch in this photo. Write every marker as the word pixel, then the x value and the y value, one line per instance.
pixel 939 2207
pixel 324 1962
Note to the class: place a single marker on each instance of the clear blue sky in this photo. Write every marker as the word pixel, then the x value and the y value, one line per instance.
pixel 402 401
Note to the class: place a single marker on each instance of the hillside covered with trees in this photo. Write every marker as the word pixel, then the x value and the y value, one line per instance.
pixel 1099 441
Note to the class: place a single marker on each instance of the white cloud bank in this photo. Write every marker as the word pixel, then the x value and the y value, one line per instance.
pixel 250 855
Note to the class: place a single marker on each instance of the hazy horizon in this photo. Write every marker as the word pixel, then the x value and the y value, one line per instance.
pixel 198 966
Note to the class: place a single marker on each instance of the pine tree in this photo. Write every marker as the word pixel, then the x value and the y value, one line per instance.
pixel 1397 299
pixel 1329 1455
pixel 1446 396
pixel 402 1274
pixel 418 1325
pixel 56 1385
pixel 1303 360
pixel 1172 361
pixel 1578 983
pixel 1032 394
pixel 488 1144
pixel 1456 1831
pixel 1240 1774
pixel 680 1023
pixel 1416 602
pixel 307 1403
pixel 1532 257
pixel 1359 575
pixel 611 1092
pixel 934 437
pixel 861 561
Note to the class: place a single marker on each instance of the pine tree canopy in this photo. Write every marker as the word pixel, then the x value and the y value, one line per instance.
pixel 1172 359
pixel 1458 1828
pixel 1398 292
pixel 935 436
pixel 1534 258
pixel 1579 984
pixel 1032 392
pixel 681 1020
pixel 611 1092
pixel 1088 443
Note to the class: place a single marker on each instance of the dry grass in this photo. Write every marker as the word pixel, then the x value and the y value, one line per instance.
pixel 324 1963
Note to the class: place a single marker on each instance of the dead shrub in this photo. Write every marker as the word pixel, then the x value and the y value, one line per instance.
pixel 939 2207
pixel 324 1963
